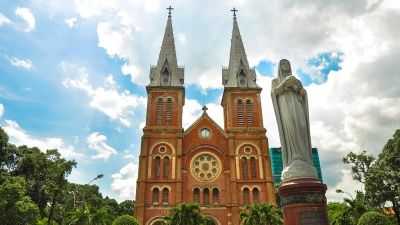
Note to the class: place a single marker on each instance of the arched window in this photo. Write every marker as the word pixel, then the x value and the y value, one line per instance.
pixel 168 111
pixel 246 197
pixel 155 196
pixel 215 196
pixel 196 195
pixel 159 111
pixel 165 76
pixel 244 168
pixel 253 167
pixel 166 167
pixel 256 195
pixel 240 112
pixel 157 161
pixel 242 78
pixel 165 196
pixel 206 196
pixel 249 112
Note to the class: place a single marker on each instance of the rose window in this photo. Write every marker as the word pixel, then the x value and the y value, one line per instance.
pixel 205 167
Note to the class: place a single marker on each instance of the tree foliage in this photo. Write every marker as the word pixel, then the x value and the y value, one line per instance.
pixel 381 177
pixel 188 214
pixel 374 218
pixel 125 220
pixel 261 214
pixel 34 190
pixel 15 206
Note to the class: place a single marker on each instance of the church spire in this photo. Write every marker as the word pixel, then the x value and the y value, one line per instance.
pixel 167 72
pixel 238 73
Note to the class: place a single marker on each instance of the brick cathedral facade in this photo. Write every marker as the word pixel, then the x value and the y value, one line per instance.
pixel 223 169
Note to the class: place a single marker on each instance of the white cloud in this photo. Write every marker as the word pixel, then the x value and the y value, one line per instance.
pixel 124 182
pixel 23 63
pixel 71 22
pixel 1 110
pixel 98 143
pixel 108 99
pixel 181 38
pixel 191 112
pixel 27 15
pixel 19 136
pixel 4 20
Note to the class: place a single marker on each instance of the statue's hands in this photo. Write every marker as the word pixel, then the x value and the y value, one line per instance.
pixel 295 88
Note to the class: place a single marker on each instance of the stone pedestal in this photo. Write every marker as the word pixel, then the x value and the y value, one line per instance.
pixel 303 202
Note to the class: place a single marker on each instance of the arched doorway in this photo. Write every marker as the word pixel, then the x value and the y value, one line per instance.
pixel 212 220
pixel 156 221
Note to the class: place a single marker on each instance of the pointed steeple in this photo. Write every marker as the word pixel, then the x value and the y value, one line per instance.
pixel 167 72
pixel 238 73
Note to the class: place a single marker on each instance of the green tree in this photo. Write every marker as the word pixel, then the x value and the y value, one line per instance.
pixel 125 220
pixel 87 215
pixel 126 207
pixel 45 174
pixel 261 214
pixel 381 177
pixel 360 165
pixel 336 212
pixel 374 218
pixel 188 214
pixel 15 207
pixel 382 183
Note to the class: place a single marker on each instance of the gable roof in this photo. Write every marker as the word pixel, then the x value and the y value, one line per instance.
pixel 205 116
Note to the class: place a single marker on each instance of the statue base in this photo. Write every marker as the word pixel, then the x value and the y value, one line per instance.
pixel 303 202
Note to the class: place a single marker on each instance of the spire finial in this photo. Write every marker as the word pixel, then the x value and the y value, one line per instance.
pixel 234 12
pixel 169 10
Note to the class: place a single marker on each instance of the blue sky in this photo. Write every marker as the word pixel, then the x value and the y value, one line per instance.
pixel 73 74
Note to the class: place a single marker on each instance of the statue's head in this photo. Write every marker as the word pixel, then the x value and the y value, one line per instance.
pixel 284 68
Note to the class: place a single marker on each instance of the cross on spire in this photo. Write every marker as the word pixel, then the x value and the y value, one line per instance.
pixel 204 109
pixel 234 12
pixel 169 10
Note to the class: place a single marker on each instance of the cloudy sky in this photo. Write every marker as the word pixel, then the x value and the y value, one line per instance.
pixel 73 74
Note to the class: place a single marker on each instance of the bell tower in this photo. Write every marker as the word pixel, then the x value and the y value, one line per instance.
pixel 248 144
pixel 159 181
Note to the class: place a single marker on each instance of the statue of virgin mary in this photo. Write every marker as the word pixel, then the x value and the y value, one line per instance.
pixel 289 99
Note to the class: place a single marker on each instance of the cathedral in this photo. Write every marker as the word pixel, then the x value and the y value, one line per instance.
pixel 222 169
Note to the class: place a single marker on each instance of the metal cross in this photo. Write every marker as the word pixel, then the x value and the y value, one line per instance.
pixel 234 11
pixel 204 109
pixel 169 10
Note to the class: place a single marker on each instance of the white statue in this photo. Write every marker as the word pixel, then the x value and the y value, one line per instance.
pixel 291 110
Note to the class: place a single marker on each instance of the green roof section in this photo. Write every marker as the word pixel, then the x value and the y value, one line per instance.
pixel 277 163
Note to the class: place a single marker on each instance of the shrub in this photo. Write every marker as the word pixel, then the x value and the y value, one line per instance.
pixel 125 220
pixel 374 218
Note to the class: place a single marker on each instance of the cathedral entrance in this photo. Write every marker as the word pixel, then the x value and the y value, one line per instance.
pixel 157 222
pixel 212 221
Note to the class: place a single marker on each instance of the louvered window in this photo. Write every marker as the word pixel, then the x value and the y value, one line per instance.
pixel 165 196
pixel 256 195
pixel 168 111
pixel 246 196
pixel 249 112
pixel 240 112
pixel 244 168
pixel 206 196
pixel 155 196
pixel 159 111
pixel 166 167
pixel 157 167
pixel 253 167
